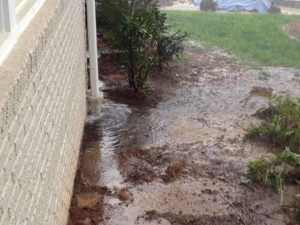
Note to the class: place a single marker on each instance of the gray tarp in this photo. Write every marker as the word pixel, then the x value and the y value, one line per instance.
pixel 241 5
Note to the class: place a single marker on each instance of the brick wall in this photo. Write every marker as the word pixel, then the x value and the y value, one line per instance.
pixel 42 114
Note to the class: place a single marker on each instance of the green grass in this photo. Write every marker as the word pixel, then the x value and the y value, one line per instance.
pixel 255 38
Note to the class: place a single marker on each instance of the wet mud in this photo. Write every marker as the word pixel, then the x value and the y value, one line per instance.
pixel 176 153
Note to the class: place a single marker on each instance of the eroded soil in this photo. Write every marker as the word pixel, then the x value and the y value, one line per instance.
pixel 176 153
pixel 293 30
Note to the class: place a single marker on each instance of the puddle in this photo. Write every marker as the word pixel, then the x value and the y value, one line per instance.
pixel 176 154
pixel 176 198
pixel 113 116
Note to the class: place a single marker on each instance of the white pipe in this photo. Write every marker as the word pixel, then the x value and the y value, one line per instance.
pixel 9 14
pixel 2 26
pixel 93 53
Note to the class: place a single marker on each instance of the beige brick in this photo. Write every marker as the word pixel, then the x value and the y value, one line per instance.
pixel 39 140
pixel 5 217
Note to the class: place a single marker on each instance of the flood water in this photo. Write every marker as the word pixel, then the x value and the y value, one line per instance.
pixel 178 156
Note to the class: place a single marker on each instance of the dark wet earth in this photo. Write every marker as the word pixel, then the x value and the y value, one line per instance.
pixel 176 153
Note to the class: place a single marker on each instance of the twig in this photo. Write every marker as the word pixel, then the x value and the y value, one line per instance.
pixel 234 208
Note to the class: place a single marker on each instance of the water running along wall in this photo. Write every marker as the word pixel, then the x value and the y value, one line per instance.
pixel 42 114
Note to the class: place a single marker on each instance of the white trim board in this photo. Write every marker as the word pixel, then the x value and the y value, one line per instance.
pixel 18 28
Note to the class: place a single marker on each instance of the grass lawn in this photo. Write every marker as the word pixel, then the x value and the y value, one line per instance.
pixel 255 38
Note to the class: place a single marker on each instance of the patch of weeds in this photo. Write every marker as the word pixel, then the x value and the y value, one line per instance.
pixel 252 131
pixel 271 173
pixel 281 128
pixel 259 170
pixel 281 123
pixel 275 172
pixel 289 157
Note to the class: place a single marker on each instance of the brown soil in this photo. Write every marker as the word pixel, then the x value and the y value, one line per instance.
pixel 145 165
pixel 293 30
pixel 176 219
pixel 94 214
pixel 164 3
pixel 175 153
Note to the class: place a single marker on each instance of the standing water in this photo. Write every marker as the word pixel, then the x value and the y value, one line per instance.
pixel 176 153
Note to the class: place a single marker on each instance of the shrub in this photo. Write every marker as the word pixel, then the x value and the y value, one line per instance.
pixel 139 30
pixel 169 46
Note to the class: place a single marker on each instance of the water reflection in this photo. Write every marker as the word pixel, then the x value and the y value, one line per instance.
pixel 113 116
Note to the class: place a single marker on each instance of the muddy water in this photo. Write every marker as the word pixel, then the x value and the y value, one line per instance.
pixel 181 159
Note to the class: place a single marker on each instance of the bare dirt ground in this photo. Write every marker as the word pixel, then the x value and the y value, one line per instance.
pixel 289 10
pixel 177 5
pixel 176 153
pixel 293 30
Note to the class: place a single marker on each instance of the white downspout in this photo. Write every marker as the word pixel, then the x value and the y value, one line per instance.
pixel 96 97
pixel 9 15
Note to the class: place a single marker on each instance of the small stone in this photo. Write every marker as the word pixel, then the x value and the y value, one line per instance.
pixel 125 195
pixel 87 221
pixel 207 191
pixel 244 180
pixel 114 201
pixel 87 200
